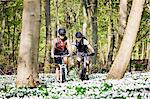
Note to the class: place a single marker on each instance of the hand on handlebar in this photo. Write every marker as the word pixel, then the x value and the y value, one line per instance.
pixel 90 54
pixel 74 53
pixel 52 55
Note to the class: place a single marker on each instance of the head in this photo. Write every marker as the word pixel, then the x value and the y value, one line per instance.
pixel 79 36
pixel 62 33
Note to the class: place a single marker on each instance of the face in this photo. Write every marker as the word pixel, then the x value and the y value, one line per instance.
pixel 78 39
pixel 62 36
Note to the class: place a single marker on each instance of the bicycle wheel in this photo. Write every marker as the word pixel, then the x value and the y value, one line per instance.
pixel 63 75
pixel 83 74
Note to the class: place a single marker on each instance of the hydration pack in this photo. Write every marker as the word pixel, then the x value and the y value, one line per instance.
pixel 80 46
pixel 60 45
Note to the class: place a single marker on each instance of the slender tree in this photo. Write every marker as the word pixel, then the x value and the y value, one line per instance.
pixel 57 18
pixel 8 39
pixel 3 28
pixel 48 36
pixel 120 64
pixel 110 37
pixel 148 52
pixel 122 21
pixel 94 27
pixel 13 43
pixel 85 14
pixel 27 70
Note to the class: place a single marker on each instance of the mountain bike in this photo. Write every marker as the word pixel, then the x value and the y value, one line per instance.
pixel 83 75
pixel 63 68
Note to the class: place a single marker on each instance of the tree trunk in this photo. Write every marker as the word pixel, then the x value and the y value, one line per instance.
pixel 13 44
pixel 85 18
pixel 57 20
pixel 27 70
pixel 148 66
pixel 121 62
pixel 110 37
pixel 48 36
pixel 111 41
pixel 148 54
pixel 143 50
pixel 3 29
pixel 137 51
pixel 94 27
pixel 8 40
pixel 122 21
pixel 94 38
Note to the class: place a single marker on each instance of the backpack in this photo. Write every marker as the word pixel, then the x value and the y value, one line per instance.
pixel 80 45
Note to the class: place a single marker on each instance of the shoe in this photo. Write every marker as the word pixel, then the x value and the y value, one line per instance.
pixel 58 81
pixel 86 77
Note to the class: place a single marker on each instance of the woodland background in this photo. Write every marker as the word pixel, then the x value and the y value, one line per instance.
pixel 102 23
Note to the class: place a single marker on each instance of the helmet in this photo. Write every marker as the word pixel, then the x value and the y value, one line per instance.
pixel 79 35
pixel 62 31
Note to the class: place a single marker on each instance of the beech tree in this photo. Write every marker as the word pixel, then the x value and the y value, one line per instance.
pixel 122 59
pixel 48 36
pixel 110 36
pixel 122 21
pixel 28 53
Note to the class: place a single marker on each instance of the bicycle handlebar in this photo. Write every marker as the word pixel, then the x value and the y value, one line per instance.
pixel 61 56
pixel 85 54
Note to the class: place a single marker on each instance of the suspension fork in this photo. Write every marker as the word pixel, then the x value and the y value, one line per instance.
pixel 85 56
pixel 63 67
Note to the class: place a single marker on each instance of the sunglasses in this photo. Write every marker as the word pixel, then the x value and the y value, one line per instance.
pixel 62 34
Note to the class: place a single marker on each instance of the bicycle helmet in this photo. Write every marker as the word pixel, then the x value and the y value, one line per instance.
pixel 62 31
pixel 79 35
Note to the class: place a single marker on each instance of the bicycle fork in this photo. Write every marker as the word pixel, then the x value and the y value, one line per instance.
pixel 84 62
pixel 63 72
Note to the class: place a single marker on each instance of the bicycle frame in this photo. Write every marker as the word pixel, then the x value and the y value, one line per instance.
pixel 84 59
pixel 84 67
pixel 63 68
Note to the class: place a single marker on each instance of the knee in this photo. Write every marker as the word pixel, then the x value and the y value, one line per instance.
pixel 88 62
pixel 79 59
pixel 66 60
pixel 57 67
pixel 78 62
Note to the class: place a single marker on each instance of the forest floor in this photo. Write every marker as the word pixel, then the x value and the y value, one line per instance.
pixel 134 85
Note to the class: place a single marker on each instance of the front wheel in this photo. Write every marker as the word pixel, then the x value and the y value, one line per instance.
pixel 63 75
pixel 83 74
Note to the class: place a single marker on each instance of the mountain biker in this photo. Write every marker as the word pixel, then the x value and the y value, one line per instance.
pixel 83 46
pixel 60 46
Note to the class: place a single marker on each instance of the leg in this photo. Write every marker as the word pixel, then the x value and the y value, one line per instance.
pixel 79 57
pixel 87 66
pixel 57 61
pixel 66 62
pixel 58 72
pixel 78 64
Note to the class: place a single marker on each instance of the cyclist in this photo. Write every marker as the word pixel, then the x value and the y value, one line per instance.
pixel 83 46
pixel 60 46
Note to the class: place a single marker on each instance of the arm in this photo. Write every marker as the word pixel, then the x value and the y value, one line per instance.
pixel 52 50
pixel 69 47
pixel 89 47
